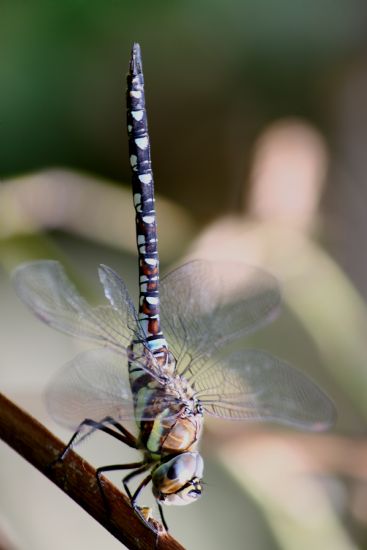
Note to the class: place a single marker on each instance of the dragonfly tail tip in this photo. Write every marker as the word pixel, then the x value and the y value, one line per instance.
pixel 135 60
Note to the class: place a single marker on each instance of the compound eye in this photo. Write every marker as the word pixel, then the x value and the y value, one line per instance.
pixel 195 494
pixel 172 472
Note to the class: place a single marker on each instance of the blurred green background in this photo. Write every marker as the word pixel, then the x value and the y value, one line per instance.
pixel 217 72
pixel 258 122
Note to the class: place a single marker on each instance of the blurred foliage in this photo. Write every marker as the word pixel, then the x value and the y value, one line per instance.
pixel 216 72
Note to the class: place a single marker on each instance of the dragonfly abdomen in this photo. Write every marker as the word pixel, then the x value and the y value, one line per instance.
pixel 143 193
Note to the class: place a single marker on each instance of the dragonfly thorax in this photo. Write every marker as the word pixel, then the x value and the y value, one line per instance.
pixel 167 412
pixel 178 481
pixel 175 429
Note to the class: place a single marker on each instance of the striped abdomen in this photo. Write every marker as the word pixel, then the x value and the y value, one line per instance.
pixel 143 192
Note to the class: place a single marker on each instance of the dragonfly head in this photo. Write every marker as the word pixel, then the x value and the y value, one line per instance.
pixel 178 480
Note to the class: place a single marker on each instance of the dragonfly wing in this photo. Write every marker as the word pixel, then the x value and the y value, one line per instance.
pixel 252 385
pixel 117 294
pixel 45 288
pixel 205 305
pixel 94 384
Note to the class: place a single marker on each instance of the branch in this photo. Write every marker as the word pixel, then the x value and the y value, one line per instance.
pixel 77 479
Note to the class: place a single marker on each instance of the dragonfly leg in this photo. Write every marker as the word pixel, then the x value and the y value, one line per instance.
pixel 136 508
pixel 140 465
pixel 133 498
pixel 129 437
pixel 133 474
pixel 94 426
pixel 160 508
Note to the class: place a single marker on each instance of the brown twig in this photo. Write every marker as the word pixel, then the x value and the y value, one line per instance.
pixel 77 479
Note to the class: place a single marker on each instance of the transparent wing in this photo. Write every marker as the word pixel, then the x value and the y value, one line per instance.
pixel 252 385
pixel 117 294
pixel 205 305
pixel 44 287
pixel 95 384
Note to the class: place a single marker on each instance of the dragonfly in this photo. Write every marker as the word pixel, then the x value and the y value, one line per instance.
pixel 176 358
